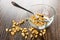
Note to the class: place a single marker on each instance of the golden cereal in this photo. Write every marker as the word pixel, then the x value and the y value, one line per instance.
pixel 9 30
pixel 44 30
pixel 40 21
pixel 40 34
pixel 31 28
pixel 44 33
pixel 23 34
pixel 13 25
pixel 31 35
pixel 6 29
pixel 36 36
pixel 21 22
pixel 35 31
pixel 12 33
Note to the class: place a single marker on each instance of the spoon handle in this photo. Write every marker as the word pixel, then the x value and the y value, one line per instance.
pixel 15 4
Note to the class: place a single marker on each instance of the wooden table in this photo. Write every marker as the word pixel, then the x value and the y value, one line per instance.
pixel 53 32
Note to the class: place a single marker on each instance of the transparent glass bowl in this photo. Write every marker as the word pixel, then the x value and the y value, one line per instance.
pixel 43 9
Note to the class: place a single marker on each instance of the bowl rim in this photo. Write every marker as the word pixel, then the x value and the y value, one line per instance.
pixel 48 6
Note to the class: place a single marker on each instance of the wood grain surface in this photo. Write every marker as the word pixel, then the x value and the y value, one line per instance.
pixel 53 32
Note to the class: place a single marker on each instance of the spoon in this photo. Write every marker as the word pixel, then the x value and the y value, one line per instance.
pixel 16 5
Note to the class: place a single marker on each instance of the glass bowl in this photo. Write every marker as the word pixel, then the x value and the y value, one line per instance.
pixel 44 9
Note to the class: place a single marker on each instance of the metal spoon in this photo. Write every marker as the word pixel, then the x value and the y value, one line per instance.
pixel 16 5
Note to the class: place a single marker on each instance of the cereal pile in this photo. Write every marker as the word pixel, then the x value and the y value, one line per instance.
pixel 38 19
pixel 25 32
pixel 31 32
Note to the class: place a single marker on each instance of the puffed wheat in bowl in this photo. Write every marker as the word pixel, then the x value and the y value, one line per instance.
pixel 43 16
